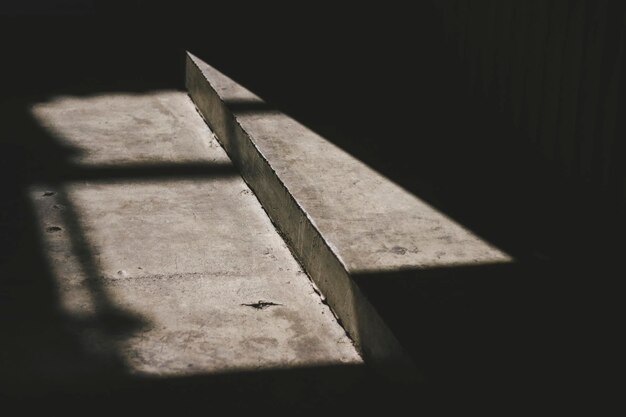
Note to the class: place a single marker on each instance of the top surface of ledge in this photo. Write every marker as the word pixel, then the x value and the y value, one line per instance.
pixel 370 223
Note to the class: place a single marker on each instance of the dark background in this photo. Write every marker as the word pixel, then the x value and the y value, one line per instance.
pixel 505 115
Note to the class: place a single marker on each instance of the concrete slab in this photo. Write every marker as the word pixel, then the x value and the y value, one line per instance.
pixel 344 221
pixel 162 270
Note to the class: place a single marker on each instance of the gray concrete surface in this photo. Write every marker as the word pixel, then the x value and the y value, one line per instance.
pixel 165 236
pixel 342 219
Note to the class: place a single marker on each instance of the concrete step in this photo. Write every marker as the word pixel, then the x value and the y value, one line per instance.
pixel 378 253
pixel 161 265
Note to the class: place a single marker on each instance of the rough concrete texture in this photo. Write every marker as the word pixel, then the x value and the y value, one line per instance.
pixel 342 219
pixel 178 248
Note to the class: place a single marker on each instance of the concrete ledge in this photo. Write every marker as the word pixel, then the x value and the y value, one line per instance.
pixel 341 219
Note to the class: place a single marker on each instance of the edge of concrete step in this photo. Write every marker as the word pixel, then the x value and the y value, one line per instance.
pixel 217 99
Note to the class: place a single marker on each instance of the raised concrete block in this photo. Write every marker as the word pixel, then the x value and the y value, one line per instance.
pixel 347 224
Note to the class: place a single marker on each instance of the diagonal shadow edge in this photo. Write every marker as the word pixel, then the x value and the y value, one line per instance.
pixel 76 172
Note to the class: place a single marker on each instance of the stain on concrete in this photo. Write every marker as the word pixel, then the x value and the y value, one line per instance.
pixel 261 305
pixel 398 250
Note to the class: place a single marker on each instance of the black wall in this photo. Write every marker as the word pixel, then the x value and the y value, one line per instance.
pixel 555 71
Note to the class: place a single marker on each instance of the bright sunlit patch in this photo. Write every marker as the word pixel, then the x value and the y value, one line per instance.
pixel 122 128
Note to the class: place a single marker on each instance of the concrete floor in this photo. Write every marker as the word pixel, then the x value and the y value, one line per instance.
pixel 162 262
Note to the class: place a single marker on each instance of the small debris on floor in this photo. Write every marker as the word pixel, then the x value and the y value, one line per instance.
pixel 261 305
pixel 398 250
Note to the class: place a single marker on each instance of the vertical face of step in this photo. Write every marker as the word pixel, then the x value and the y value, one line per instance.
pixel 162 260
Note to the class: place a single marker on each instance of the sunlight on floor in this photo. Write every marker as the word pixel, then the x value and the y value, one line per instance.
pixel 166 271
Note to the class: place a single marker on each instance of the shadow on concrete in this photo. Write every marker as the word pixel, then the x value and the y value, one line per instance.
pixel 534 332
pixel 264 392
pixel 249 106
pixel 147 171
pixel 40 348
